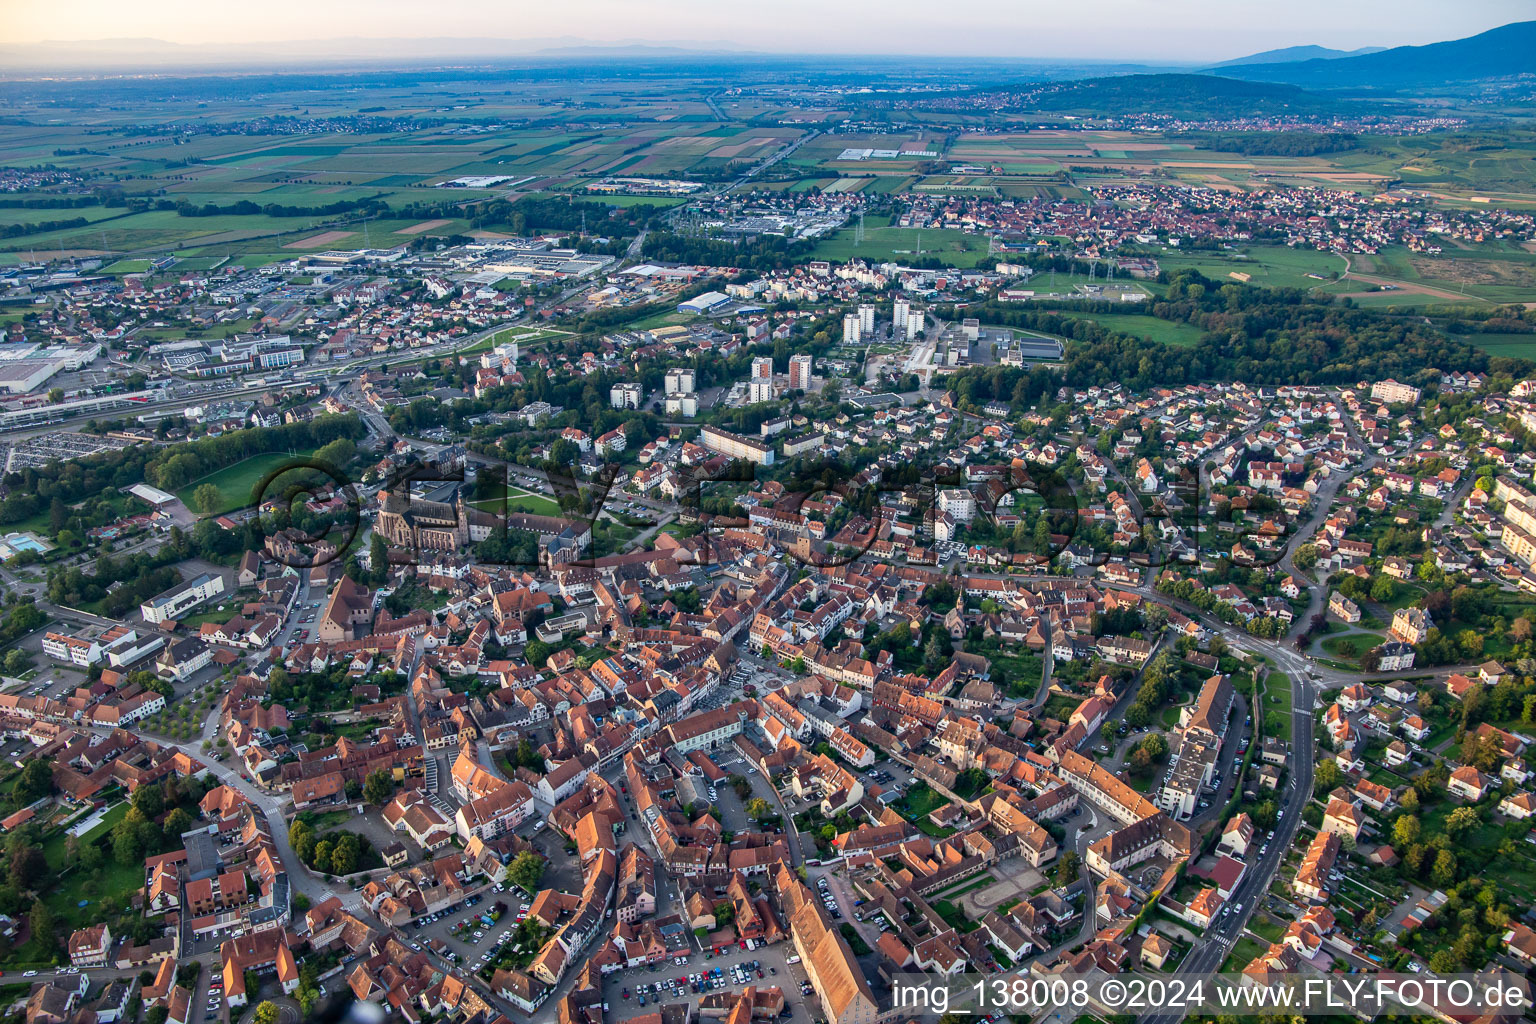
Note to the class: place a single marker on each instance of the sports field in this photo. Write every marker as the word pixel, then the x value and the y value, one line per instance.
pixel 237 483
pixel 883 242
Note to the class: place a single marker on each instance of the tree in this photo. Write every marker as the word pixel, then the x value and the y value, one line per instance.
pixel 1405 831
pixel 1459 820
pixel 34 782
pixel 44 928
pixel 1067 868
pixel 127 848
pixel 1443 873
pixel 207 498
pixel 378 559
pixel 1305 556
pixel 526 871
pixel 1327 775
pixel 759 808
pixel 345 854
pixel 266 1013
pixel 27 865
pixel 378 787
pixel 149 801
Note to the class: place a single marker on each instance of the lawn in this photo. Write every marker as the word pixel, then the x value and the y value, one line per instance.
pixel 237 483
pixel 1350 646
pixel 1019 672
pixel 1173 333
pixel 1277 698
pixel 954 916
pixel 112 883
pixel 968 885
pixel 520 500
pixel 1266 928
pixel 920 801
pixel 1243 954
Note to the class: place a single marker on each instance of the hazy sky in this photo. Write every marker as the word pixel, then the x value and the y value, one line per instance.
pixel 1111 29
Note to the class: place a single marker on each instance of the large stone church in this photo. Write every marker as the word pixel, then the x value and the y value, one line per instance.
pixel 407 522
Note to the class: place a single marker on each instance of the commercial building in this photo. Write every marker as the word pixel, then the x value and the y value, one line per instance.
pixel 181 599
pixel 702 305
pixel 24 375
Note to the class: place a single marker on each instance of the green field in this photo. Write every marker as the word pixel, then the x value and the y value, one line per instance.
pixel 1271 266
pixel 1277 698
pixel 520 500
pixel 883 242
pixel 1515 346
pixel 237 483
pixel 1175 333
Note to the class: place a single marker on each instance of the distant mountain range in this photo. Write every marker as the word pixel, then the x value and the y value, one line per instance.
pixel 1291 54
pixel 1499 53
pixel 1180 95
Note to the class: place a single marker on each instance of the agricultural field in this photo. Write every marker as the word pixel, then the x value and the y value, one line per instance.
pixel 303 190
pixel 1514 346
pixel 536 136
pixel 1491 273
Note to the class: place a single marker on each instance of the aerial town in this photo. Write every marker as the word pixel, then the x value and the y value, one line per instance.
pixel 596 590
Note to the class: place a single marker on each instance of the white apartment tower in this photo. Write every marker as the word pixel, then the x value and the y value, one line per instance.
pixel 851 333
pixel 899 314
pixel 915 322
pixel 625 396
pixel 867 320
pixel 680 381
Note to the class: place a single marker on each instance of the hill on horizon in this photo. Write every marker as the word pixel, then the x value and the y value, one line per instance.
pixel 1291 54
pixel 1180 95
pixel 1502 52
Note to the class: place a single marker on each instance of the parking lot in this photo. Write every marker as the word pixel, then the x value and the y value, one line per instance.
pixel 672 982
